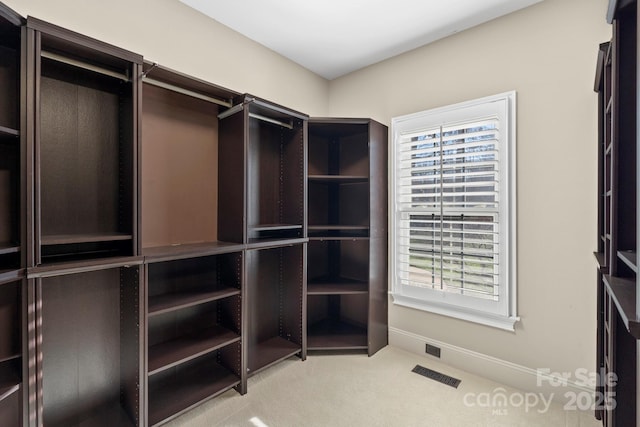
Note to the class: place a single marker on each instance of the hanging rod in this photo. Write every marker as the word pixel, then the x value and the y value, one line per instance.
pixel 84 65
pixel 186 92
pixel 240 107
pixel 270 120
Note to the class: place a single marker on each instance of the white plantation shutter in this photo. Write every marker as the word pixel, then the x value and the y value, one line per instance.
pixel 453 211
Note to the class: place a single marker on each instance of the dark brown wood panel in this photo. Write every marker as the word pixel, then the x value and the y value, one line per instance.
pixel 10 320
pixel 180 389
pixel 84 348
pixel 79 154
pixel 179 168
pixel 9 86
pixel 232 179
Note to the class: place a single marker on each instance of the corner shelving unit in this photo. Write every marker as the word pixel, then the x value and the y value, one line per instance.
pixel 347 228
pixel 618 314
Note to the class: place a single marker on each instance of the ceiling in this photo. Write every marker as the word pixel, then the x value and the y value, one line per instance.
pixel 335 37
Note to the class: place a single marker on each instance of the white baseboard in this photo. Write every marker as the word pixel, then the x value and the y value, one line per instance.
pixel 511 374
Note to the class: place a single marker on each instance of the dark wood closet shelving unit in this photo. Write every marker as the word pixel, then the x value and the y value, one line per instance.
pixel 618 315
pixel 262 148
pixel 275 305
pixel 195 284
pixel 347 227
pixel 262 154
pixel 194 327
pixel 89 368
pixel 14 353
pixel 83 148
pixel 154 233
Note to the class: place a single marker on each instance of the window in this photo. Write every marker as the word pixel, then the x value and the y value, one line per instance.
pixel 454 186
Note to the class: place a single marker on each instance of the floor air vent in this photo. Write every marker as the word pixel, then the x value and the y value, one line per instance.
pixel 437 376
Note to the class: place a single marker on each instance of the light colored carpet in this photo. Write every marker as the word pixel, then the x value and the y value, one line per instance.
pixel 354 390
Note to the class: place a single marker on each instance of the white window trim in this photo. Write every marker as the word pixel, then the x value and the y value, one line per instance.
pixel 440 302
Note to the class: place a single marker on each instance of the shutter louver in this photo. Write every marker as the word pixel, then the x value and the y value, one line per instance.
pixel 448 205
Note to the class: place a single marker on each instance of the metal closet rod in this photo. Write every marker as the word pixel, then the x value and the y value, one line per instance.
pixel 84 65
pixel 240 107
pixel 270 120
pixel 186 92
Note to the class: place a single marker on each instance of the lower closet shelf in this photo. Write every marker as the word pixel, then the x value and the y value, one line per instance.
pixel 329 334
pixel 176 394
pixel 271 351
pixel 107 416
pixel 168 354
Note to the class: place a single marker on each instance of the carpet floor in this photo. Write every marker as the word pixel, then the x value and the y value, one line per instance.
pixel 354 390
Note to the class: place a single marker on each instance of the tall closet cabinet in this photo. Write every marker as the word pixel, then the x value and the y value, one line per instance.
pixel 346 287
pixel 14 354
pixel 618 308
pixel 155 232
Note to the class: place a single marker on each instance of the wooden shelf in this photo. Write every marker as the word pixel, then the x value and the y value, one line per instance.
pixel 339 227
pixel 623 294
pixel 9 384
pixel 104 416
pixel 338 179
pixel 168 354
pixel 601 260
pixel 274 243
pixel 630 258
pixel 337 238
pixel 8 248
pixel 5 131
pixel 175 395
pixel 336 286
pixel 272 351
pixel 69 239
pixel 12 275
pixel 165 303
pixel 190 250
pixel 275 227
pixel 10 357
pixel 330 334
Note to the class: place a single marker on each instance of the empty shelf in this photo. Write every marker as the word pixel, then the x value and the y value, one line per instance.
pixel 106 415
pixel 9 357
pixel 332 231
pixel 329 334
pixel 338 227
pixel 5 131
pixel 189 250
pixel 169 302
pixel 171 353
pixel 68 239
pixel 8 248
pixel 630 258
pixel 623 293
pixel 275 227
pixel 9 384
pixel 7 276
pixel 335 286
pixel 271 351
pixel 338 179
pixel 601 260
pixel 171 397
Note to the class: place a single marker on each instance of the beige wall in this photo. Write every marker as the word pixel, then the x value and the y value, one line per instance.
pixel 178 37
pixel 547 53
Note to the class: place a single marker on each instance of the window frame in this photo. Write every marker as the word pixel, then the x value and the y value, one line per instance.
pixel 503 313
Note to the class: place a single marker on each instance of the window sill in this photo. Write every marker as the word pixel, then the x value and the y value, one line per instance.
pixel 506 323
